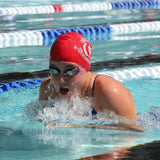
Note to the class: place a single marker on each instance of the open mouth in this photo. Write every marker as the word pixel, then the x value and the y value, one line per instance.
pixel 64 91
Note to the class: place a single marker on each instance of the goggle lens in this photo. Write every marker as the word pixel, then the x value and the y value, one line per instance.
pixel 70 72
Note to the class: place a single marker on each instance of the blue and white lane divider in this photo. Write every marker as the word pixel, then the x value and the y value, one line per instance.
pixel 21 38
pixel 8 86
pixel 134 73
pixel 135 37
pixel 92 33
pixel 120 75
pixel 26 10
pixel 81 7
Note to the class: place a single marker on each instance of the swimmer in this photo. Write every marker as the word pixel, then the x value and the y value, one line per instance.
pixel 69 65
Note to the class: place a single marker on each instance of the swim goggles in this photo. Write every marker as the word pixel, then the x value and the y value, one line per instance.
pixel 68 72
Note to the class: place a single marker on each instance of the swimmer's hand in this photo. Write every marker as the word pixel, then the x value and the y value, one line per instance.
pixel 126 127
pixel 132 126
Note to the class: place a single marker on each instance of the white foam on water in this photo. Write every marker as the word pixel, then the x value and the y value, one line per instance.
pixel 78 110
pixel 150 120
pixel 52 110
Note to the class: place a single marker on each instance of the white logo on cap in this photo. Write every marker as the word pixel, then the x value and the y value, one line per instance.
pixel 85 52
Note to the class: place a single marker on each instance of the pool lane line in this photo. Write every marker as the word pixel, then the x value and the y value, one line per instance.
pixel 92 33
pixel 81 7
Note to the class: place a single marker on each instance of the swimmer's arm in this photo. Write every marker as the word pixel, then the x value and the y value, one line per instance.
pixel 113 96
pixel 132 125
pixel 69 125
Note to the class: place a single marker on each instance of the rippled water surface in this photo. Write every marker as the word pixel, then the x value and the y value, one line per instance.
pixel 23 138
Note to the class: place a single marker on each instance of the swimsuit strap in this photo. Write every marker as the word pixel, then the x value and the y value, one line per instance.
pixel 94 84
pixel 94 112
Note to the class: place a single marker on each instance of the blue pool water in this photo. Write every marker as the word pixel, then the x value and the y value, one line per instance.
pixel 23 138
pixel 39 142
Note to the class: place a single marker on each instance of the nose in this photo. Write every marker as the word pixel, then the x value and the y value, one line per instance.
pixel 61 78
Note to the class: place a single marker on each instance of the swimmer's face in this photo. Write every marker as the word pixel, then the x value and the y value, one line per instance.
pixel 67 78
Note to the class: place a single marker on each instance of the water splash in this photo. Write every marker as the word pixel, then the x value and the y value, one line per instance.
pixel 57 109
pixel 150 120
pixel 79 111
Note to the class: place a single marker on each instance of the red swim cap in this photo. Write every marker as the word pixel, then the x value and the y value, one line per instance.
pixel 72 47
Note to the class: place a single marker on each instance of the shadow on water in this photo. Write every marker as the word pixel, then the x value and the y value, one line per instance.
pixel 148 151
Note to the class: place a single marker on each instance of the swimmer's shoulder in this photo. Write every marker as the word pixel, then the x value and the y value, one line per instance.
pixel 104 87
pixel 43 90
pixel 45 83
pixel 113 95
pixel 109 86
pixel 106 81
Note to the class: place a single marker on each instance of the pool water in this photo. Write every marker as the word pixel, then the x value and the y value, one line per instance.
pixel 21 137
pixel 74 143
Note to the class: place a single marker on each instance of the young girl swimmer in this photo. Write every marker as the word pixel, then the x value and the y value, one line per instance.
pixel 69 65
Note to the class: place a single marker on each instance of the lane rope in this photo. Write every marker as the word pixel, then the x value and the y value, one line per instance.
pixel 121 75
pixel 81 7
pixel 92 33
pixel 8 86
